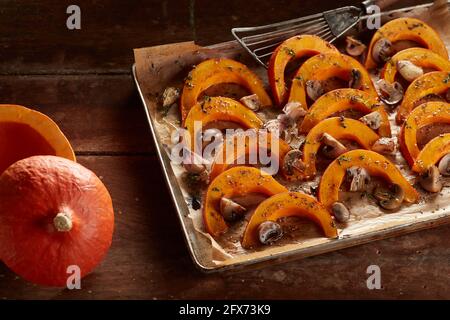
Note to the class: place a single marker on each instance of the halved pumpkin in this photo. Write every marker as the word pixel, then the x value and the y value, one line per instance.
pixel 426 114
pixel 292 48
pixel 432 152
pixel 285 205
pixel 374 163
pixel 230 150
pixel 432 83
pixel 344 99
pixel 407 29
pixel 420 57
pixel 25 133
pixel 219 109
pixel 237 181
pixel 340 129
pixel 216 71
pixel 325 66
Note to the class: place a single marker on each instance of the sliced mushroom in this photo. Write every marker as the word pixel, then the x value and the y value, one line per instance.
pixel 391 94
pixel 332 148
pixel 193 163
pixel 391 197
pixel 408 70
pixel 444 165
pixel 269 232
pixel 382 50
pixel 384 145
pixel 293 160
pixel 230 210
pixel 431 180
pixel 273 126
pixel 340 212
pixel 314 89
pixel 170 96
pixel 294 110
pixel 355 79
pixel 372 120
pixel 354 47
pixel 359 178
pixel 252 102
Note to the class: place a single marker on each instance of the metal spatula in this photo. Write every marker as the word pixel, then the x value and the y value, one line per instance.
pixel 261 41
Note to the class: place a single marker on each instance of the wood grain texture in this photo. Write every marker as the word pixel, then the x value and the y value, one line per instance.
pixel 148 258
pixel 34 37
pixel 98 113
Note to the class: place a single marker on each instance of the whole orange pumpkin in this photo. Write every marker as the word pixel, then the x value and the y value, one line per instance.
pixel 54 214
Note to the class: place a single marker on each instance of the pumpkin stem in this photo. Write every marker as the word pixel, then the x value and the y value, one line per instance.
pixel 62 222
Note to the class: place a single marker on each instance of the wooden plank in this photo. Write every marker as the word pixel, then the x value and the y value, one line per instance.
pixel 34 37
pixel 98 113
pixel 149 258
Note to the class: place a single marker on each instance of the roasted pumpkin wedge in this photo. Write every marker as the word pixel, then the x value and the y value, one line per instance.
pixel 229 152
pixel 432 152
pixel 407 29
pixel 237 181
pixel 420 57
pixel 292 48
pixel 345 99
pixel 219 109
pixel 25 132
pixel 373 162
pixel 324 66
pixel 285 205
pixel 216 71
pixel 338 128
pixel 430 85
pixel 426 114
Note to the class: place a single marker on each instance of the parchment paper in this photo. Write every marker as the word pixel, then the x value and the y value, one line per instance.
pixel 166 65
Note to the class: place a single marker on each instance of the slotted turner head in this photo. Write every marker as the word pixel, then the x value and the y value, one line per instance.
pixel 261 41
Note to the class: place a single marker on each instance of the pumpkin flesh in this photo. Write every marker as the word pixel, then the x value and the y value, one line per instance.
pixel 425 114
pixel 217 71
pixel 373 162
pixel 407 29
pixel 285 205
pixel 432 152
pixel 432 83
pixel 25 132
pixel 292 48
pixel 237 181
pixel 324 66
pixel 340 129
pixel 344 99
pixel 420 57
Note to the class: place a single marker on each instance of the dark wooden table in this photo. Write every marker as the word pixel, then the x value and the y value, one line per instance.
pixel 82 80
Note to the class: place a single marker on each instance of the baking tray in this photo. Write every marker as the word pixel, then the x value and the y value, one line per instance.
pixel 197 242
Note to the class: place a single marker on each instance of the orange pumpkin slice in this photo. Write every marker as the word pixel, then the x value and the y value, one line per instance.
pixel 340 129
pixel 432 83
pixel 219 109
pixel 373 162
pixel 285 205
pixel 407 29
pixel 425 114
pixel 216 71
pixel 325 66
pixel 229 152
pixel 432 152
pixel 293 48
pixel 25 133
pixel 237 181
pixel 420 57
pixel 344 99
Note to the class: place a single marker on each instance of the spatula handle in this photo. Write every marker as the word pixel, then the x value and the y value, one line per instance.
pixel 380 3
